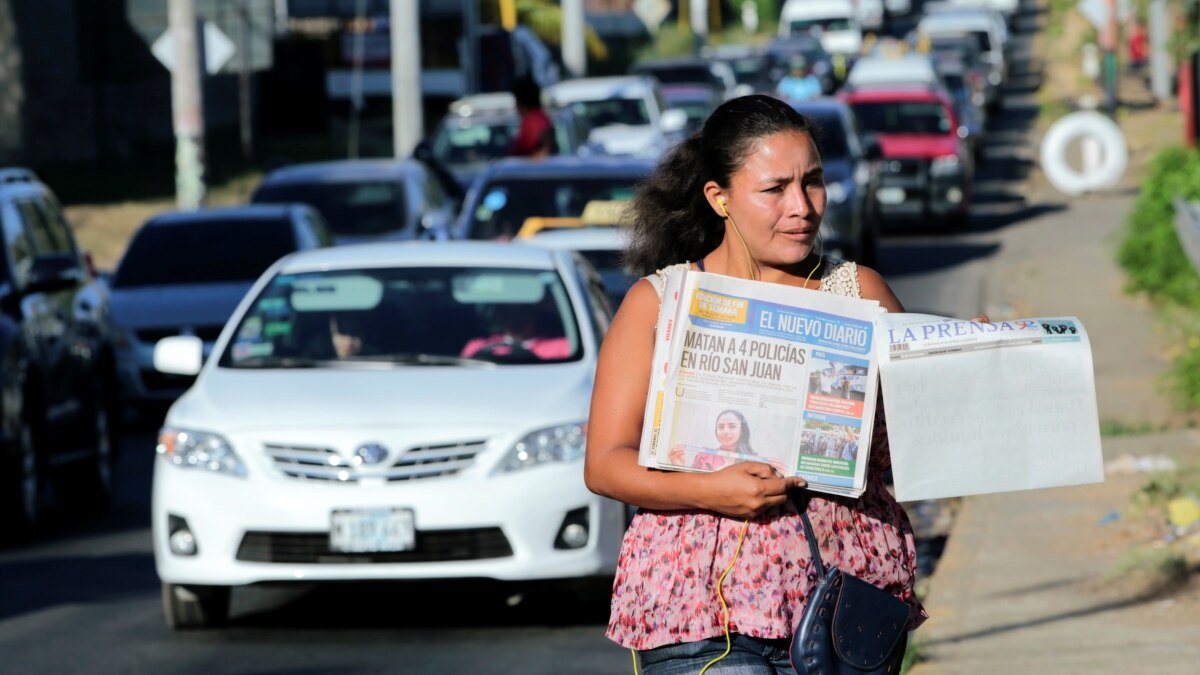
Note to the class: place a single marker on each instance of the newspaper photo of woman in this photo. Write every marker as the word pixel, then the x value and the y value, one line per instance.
pixel 733 436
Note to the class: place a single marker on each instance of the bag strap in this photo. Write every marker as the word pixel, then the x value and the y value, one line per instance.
pixel 802 507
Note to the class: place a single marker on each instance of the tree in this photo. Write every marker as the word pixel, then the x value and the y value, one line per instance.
pixel 544 18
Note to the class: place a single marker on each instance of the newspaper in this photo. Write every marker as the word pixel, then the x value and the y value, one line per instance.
pixel 975 408
pixel 752 371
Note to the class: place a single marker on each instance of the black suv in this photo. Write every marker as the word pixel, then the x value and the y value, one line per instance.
pixel 59 412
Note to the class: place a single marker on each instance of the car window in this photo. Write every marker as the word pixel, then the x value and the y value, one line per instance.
pixel 505 204
pixel 60 230
pixel 366 208
pixel 628 111
pixel 17 244
pixel 417 315
pixel 600 307
pixel 205 252
pixel 830 135
pixel 908 117
pixel 801 26
pixel 47 238
pixel 471 141
pixel 614 277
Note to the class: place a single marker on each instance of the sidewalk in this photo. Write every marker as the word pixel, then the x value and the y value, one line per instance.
pixel 1025 583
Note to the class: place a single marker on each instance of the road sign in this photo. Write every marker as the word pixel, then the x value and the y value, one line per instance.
pixel 249 24
pixel 652 12
pixel 218 49
pixel 1096 11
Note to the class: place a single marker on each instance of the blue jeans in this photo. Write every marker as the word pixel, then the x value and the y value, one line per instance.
pixel 749 656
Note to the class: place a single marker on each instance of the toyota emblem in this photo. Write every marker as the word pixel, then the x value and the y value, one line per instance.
pixel 370 453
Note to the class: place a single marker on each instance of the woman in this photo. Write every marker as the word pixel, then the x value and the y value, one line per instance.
pixel 733 436
pixel 744 197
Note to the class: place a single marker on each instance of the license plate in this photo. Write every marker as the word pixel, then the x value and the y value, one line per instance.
pixel 890 195
pixel 371 530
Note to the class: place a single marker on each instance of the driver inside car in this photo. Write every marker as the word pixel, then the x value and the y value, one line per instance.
pixel 514 334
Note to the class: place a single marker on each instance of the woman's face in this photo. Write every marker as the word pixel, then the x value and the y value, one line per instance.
pixel 777 198
pixel 729 430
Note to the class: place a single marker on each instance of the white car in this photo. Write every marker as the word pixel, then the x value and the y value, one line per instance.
pixel 627 114
pixel 905 70
pixel 835 22
pixel 603 247
pixel 392 411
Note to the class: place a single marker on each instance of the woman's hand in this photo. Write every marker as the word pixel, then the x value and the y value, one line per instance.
pixel 677 455
pixel 747 489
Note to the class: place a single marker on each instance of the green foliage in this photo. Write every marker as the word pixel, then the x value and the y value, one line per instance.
pixel 1185 375
pixel 1167 485
pixel 1113 427
pixel 1150 251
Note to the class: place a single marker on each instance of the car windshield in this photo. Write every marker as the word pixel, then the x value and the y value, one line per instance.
pixel 361 208
pixel 680 74
pixel 627 111
pixel 748 70
pixel 427 316
pixel 908 117
pixel 616 279
pixel 212 252
pixel 697 112
pixel 830 136
pixel 507 203
pixel 801 26
pixel 469 142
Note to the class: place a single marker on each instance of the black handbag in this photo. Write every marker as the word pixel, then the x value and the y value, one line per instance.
pixel 849 627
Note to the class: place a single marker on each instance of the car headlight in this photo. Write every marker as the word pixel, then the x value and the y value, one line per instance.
pixel 562 443
pixel 942 166
pixel 199 450
pixel 836 192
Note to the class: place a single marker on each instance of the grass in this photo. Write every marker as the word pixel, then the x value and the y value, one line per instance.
pixel 913 655
pixel 1113 428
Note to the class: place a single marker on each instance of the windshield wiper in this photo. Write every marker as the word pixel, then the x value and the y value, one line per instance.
pixel 279 362
pixel 423 359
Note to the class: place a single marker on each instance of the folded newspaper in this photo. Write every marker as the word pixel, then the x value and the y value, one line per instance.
pixel 752 371
pixel 975 408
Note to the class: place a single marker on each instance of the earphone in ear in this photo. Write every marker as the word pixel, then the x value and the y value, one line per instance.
pixel 721 202
pixel 721 199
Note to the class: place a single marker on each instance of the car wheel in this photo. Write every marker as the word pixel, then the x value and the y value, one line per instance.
pixel 26 486
pixel 190 607
pixel 90 484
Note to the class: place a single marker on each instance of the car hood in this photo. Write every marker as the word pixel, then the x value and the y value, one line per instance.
pixel 504 397
pixel 620 139
pixel 917 145
pixel 176 306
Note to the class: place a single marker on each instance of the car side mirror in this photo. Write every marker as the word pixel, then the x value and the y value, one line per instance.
pixel 179 355
pixel 672 121
pixel 53 273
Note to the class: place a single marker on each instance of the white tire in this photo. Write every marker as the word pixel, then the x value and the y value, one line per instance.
pixel 1113 153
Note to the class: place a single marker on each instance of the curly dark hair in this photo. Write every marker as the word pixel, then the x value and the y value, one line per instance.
pixel 669 219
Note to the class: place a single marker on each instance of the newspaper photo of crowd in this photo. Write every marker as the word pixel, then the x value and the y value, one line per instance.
pixel 840 380
pixel 822 439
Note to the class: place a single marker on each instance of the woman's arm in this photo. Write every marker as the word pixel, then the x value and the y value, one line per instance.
pixel 611 466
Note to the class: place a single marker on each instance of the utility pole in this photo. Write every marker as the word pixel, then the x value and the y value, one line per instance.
pixel 244 107
pixel 574 44
pixel 1160 60
pixel 1109 42
pixel 407 104
pixel 187 105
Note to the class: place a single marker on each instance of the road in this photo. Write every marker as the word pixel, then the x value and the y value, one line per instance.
pixel 84 598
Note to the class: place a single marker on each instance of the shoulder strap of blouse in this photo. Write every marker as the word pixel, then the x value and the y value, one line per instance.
pixel 659 279
pixel 841 278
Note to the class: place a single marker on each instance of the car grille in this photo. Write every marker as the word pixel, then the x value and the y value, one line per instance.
pixel 153 335
pixel 326 464
pixel 909 173
pixel 431 546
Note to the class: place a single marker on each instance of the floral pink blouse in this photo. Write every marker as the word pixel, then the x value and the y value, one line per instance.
pixel 665 590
